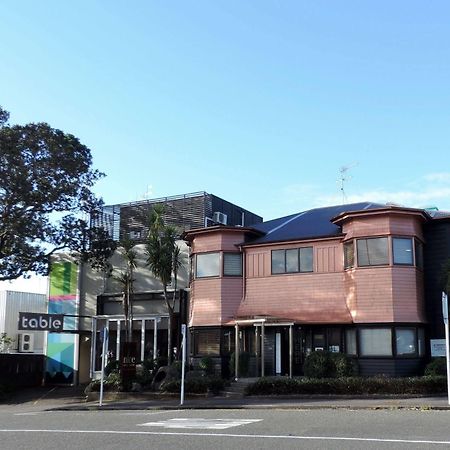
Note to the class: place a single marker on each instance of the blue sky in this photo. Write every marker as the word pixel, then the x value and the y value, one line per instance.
pixel 259 102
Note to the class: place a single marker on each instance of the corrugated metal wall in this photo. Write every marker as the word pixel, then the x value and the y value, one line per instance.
pixel 11 303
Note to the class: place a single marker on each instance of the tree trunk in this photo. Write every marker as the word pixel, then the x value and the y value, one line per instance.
pixel 169 338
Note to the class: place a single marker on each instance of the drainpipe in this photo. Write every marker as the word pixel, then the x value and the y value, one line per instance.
pixel 236 352
pixel 291 340
pixel 244 278
pixel 262 348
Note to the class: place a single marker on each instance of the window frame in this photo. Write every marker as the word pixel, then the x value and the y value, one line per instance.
pixel 200 333
pixel 208 276
pixel 224 256
pixel 404 238
pixel 414 354
pixel 299 260
pixel 388 259
pixel 375 355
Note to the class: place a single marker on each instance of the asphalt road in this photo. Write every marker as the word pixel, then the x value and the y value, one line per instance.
pixel 28 427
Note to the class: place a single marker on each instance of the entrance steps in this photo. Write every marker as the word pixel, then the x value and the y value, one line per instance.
pixel 236 389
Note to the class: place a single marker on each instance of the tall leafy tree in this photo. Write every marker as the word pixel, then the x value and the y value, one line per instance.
pixel 163 259
pixel 45 198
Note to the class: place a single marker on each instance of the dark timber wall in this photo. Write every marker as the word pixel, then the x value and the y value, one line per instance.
pixel 436 254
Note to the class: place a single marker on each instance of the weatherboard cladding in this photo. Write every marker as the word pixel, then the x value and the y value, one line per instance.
pixel 311 224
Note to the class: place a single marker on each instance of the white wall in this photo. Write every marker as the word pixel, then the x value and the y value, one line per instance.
pixel 11 303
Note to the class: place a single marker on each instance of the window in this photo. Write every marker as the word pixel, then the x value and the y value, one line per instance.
pixel 207 342
pixel 372 251
pixel 349 255
pixel 278 261
pixel 208 265
pixel 405 341
pixel 350 341
pixel 403 251
pixel 232 264
pixel 292 260
pixel 419 253
pixel 306 259
pixel 334 340
pixel 375 342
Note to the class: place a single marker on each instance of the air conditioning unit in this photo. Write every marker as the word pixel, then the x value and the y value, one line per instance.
pixel 26 343
pixel 133 234
pixel 220 217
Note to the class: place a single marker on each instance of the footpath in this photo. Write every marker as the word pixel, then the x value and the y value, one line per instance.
pixel 74 399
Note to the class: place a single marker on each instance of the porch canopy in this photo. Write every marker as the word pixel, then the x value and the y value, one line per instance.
pixel 260 323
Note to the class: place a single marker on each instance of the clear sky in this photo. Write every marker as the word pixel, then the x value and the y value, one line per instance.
pixel 259 102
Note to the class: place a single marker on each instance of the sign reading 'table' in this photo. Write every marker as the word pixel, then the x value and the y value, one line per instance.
pixel 40 322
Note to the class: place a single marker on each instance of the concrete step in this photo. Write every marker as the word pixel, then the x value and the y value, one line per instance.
pixel 237 388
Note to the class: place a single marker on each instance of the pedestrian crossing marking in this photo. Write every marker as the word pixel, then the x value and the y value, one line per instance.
pixel 204 424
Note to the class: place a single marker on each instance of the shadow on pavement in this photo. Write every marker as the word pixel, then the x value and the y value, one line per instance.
pixel 58 394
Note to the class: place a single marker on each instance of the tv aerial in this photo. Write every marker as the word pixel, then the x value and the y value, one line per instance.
pixel 343 178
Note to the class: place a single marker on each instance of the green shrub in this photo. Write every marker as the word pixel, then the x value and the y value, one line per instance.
pixel 206 364
pixel 322 364
pixel 112 366
pixel 196 385
pixel 437 367
pixel 113 382
pixel 342 365
pixel 348 386
pixel 318 365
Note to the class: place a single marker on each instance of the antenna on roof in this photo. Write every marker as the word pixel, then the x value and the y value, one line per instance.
pixel 343 178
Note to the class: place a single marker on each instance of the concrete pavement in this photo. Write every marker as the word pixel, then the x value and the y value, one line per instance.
pixel 73 398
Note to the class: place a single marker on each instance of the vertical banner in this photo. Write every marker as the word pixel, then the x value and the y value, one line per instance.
pixel 63 299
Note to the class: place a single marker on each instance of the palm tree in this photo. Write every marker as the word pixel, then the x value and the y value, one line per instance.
pixel 126 280
pixel 163 259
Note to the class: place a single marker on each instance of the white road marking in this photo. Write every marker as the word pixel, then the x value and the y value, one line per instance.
pixel 147 413
pixel 227 435
pixel 206 424
pixel 27 413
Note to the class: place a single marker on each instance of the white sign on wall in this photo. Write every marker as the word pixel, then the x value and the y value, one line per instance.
pixel 437 347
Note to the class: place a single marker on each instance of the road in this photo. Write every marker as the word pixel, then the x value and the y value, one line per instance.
pixel 27 427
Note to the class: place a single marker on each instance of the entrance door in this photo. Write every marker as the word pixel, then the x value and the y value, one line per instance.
pixel 278 353
pixel 282 351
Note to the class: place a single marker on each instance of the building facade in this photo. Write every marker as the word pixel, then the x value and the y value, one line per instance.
pixel 349 278
pixel 94 299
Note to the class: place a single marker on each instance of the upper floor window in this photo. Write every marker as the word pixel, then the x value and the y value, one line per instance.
pixel 402 249
pixel 373 251
pixel 207 265
pixel 292 260
pixel 232 264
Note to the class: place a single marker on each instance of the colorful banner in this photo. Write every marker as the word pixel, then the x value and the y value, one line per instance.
pixel 63 299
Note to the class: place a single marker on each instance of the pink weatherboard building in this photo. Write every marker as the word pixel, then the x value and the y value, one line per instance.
pixel 345 278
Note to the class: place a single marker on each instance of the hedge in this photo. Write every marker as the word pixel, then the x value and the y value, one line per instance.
pixel 348 386
pixel 197 385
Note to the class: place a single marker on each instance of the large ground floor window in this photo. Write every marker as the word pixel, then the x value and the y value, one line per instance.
pixel 149 337
pixel 380 348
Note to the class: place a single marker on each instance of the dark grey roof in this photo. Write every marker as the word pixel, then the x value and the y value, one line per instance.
pixel 439 214
pixel 314 223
